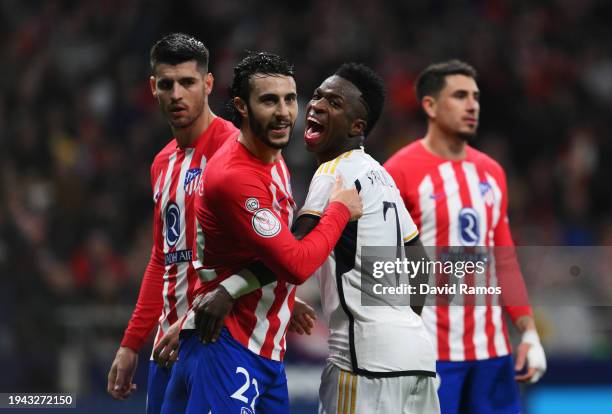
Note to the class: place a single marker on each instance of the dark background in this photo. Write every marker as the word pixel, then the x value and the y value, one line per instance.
pixel 79 128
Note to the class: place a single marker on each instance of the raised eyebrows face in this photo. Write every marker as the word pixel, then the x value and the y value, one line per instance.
pixel 456 109
pixel 181 92
pixel 272 108
pixel 334 115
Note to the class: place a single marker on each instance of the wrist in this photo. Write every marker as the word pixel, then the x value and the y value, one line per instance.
pixel 238 285
pixel 530 337
pixel 132 343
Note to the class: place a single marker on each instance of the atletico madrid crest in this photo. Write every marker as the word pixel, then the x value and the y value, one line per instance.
pixel 486 191
pixel 192 179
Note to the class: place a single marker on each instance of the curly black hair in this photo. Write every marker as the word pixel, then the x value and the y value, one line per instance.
pixel 176 48
pixel 255 62
pixel 372 89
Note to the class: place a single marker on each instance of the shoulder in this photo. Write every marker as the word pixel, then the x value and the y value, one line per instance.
pixel 486 162
pixel 409 165
pixel 162 157
pixel 345 164
pixel 219 132
pixel 223 128
pixel 228 172
pixel 407 153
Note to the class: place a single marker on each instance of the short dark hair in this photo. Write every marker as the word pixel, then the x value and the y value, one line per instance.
pixel 433 79
pixel 372 89
pixel 255 62
pixel 176 48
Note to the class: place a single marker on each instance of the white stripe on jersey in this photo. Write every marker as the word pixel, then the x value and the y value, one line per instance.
pixel 286 177
pixel 453 201
pixel 455 313
pixel 496 218
pixel 427 204
pixel 455 336
pixel 498 198
pixel 183 268
pixel 284 314
pixel 157 186
pixel 275 204
pixel 258 336
pixel 165 198
pixel 500 339
pixel 277 179
pixel 287 188
pixel 480 338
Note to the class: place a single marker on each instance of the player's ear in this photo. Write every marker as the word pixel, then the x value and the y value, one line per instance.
pixel 153 88
pixel 429 106
pixel 209 81
pixel 241 107
pixel 358 127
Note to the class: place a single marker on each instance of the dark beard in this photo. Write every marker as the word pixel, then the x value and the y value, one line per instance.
pixel 260 130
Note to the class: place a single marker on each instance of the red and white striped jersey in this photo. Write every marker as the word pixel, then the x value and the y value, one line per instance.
pixel 458 203
pixel 245 215
pixel 169 282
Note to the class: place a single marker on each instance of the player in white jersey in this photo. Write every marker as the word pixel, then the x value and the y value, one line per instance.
pixel 370 346
pixel 381 357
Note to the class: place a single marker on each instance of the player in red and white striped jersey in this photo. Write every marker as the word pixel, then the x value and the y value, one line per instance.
pixel 181 83
pixel 245 216
pixel 457 196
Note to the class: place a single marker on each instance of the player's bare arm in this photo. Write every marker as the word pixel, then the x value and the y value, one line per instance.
pixel 121 374
pixel 165 353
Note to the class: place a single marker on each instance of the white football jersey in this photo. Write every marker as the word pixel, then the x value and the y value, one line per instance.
pixel 377 341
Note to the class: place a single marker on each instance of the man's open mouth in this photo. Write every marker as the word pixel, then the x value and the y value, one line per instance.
pixel 314 130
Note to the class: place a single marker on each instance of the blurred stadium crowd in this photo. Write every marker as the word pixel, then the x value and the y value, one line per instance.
pixel 79 128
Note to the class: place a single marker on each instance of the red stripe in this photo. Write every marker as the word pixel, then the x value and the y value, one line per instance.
pixel 190 231
pixel 505 332
pixel 442 240
pixel 489 327
pixel 280 292
pixel 291 303
pixel 242 321
pixel 468 309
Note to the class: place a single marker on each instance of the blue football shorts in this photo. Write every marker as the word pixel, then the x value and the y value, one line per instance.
pixel 484 387
pixel 224 377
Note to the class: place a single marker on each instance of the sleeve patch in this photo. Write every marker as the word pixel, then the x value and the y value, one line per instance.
pixel 252 204
pixel 265 223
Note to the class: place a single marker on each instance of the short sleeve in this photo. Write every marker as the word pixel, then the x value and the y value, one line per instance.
pixel 409 229
pixel 318 195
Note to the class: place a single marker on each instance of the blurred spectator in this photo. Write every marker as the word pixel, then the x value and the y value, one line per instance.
pixel 78 127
